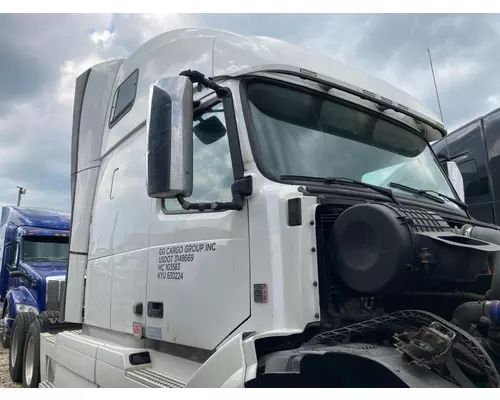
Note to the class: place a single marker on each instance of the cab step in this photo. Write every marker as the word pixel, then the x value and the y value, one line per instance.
pixel 46 385
pixel 153 379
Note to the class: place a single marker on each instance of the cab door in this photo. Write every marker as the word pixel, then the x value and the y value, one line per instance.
pixel 198 287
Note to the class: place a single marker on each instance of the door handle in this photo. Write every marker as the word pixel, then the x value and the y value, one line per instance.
pixel 155 309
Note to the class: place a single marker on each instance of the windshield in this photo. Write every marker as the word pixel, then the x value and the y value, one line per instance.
pixel 45 248
pixel 299 132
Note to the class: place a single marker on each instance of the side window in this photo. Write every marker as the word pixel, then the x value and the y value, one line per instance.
pixel 124 98
pixel 212 167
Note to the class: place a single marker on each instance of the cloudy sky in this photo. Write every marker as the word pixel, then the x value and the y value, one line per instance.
pixel 41 55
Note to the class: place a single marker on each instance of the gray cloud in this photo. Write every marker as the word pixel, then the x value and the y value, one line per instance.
pixel 43 54
pixel 394 47
pixel 22 73
pixel 33 47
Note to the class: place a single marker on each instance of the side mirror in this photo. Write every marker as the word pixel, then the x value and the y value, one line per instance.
pixel 169 130
pixel 10 253
pixel 456 178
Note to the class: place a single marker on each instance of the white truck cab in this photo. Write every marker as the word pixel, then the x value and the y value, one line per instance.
pixel 232 222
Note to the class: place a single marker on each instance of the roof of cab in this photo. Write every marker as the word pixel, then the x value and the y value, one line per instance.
pixel 35 217
pixel 232 53
pixel 217 53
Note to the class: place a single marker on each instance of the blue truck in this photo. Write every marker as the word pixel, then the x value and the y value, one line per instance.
pixel 34 249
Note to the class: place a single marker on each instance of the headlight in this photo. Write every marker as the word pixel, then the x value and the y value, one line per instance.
pixel 26 308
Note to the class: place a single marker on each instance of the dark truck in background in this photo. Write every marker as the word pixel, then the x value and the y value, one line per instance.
pixel 475 148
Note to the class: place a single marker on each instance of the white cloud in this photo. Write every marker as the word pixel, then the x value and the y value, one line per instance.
pixel 454 72
pixel 416 81
pixel 339 39
pixel 494 101
pixel 138 28
pixel 103 38
pixel 151 25
pixel 69 71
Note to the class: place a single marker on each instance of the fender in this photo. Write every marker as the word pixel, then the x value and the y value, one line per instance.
pixel 225 368
pixel 18 295
pixel 235 362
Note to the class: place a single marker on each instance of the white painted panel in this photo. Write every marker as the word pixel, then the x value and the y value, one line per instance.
pixel 98 292
pixel 84 198
pixel 111 377
pixel 129 287
pixel 199 269
pixel 75 288
pixel 226 368
pixel 93 118
pixel 64 378
pixel 78 363
pixel 81 344
pixel 47 351
pixel 177 368
pixel 120 228
pixel 100 239
pixel 121 223
pixel 180 369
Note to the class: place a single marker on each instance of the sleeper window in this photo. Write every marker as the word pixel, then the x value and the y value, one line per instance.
pixel 124 98
pixel 212 167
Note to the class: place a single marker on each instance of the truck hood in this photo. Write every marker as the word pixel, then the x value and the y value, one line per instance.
pixel 45 269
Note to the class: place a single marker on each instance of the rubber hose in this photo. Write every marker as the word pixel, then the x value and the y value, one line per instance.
pixel 467 314
pixel 471 313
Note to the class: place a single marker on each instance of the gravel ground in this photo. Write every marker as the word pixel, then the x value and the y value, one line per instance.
pixel 5 381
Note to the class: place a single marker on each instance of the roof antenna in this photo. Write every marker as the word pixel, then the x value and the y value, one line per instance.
pixel 21 192
pixel 435 86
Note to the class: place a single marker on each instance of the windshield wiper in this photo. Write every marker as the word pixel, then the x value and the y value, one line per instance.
pixel 462 205
pixel 416 191
pixel 384 191
pixel 427 193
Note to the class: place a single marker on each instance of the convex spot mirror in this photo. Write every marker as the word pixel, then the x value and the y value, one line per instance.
pixel 456 178
pixel 209 130
pixel 169 130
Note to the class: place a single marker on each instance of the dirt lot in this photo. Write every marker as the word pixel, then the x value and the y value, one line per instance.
pixel 5 381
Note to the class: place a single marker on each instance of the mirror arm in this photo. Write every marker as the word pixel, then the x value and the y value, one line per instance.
pixel 20 274
pixel 241 189
pixel 199 78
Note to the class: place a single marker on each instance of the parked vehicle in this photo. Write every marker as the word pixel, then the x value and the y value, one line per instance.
pixel 475 147
pixel 251 214
pixel 34 246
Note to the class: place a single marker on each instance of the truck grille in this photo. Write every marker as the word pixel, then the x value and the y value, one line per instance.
pixel 55 289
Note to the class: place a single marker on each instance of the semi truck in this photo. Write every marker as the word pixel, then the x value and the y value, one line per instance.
pixel 34 247
pixel 247 213
pixel 474 148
